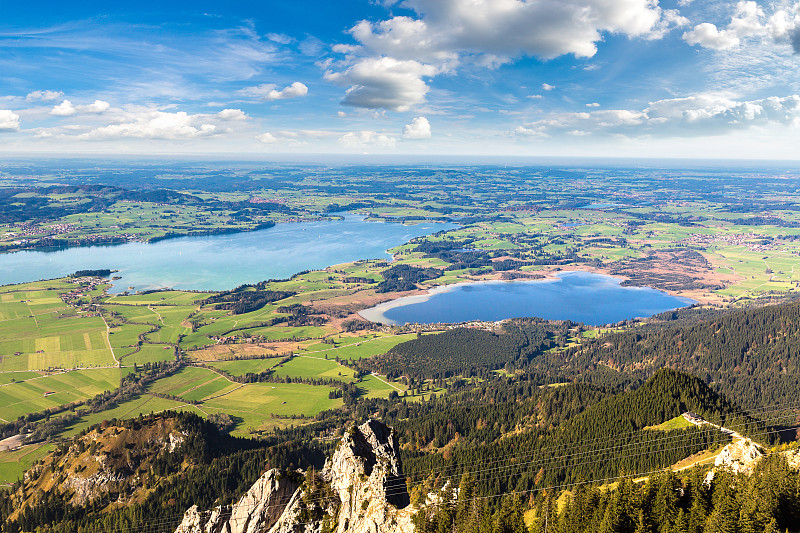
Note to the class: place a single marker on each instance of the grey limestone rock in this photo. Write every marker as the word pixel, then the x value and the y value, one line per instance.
pixel 361 489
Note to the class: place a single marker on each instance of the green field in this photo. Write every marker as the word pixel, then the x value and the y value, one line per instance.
pixel 14 463
pixel 39 393
pixel 256 403
pixel 314 367
pixel 679 422
pixel 345 347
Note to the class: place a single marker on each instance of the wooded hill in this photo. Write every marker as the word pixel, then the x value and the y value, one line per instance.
pixel 562 434
pixel 751 355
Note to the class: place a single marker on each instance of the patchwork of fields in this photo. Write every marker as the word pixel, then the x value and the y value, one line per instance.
pixel 284 361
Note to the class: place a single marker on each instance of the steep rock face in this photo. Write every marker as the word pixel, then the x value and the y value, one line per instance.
pixel 366 473
pixel 255 512
pixel 361 489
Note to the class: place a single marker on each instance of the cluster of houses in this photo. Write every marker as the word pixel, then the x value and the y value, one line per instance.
pixel 27 229
pixel 752 241
pixel 84 286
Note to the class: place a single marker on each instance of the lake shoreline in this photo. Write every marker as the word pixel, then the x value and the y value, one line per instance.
pixel 222 261
pixel 378 312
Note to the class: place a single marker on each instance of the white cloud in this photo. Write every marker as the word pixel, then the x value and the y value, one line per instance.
pixel 296 137
pixel 534 96
pixel 419 128
pixel 156 125
pixel 707 35
pixel 698 115
pixel 548 87
pixel 388 66
pixel 98 106
pixel 366 139
pixel 269 92
pixel 593 104
pixel 536 131
pixel 384 82
pixel 750 22
pixel 280 38
pixel 9 121
pixel 232 114
pixel 66 109
pixel 43 96
pixel 506 28
pixel 267 138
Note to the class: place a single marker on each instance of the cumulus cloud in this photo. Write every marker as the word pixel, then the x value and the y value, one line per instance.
pixel 750 21
pixel 269 92
pixel 535 131
pixel 708 36
pixel 267 138
pixel 232 114
pixel 507 28
pixel 367 139
pixel 9 121
pixel 66 109
pixel 43 96
pixel 419 128
pixel 698 115
pixel 384 83
pixel 156 125
pixel 395 56
pixel 98 106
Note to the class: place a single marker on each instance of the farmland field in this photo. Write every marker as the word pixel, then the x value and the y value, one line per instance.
pixel 38 393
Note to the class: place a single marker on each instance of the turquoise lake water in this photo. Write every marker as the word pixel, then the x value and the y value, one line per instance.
pixel 586 297
pixel 219 262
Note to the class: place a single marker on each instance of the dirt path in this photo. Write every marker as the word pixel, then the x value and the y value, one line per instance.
pixel 108 340
pixel 150 307
pixel 223 394
pixel 383 380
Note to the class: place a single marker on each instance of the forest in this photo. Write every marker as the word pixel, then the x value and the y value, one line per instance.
pixel 464 351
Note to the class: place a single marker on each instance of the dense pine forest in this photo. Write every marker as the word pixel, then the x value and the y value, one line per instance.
pixel 751 355
pixel 466 352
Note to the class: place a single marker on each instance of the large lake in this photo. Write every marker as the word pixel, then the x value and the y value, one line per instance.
pixel 218 262
pixel 586 297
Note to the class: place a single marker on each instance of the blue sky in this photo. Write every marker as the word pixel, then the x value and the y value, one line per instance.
pixel 621 78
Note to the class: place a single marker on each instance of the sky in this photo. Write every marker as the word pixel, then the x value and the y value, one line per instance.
pixel 590 78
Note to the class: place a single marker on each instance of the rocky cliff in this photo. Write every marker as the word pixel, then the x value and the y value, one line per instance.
pixel 740 456
pixel 361 489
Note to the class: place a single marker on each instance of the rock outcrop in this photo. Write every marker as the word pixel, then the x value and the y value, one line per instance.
pixel 361 489
pixel 255 512
pixel 740 456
